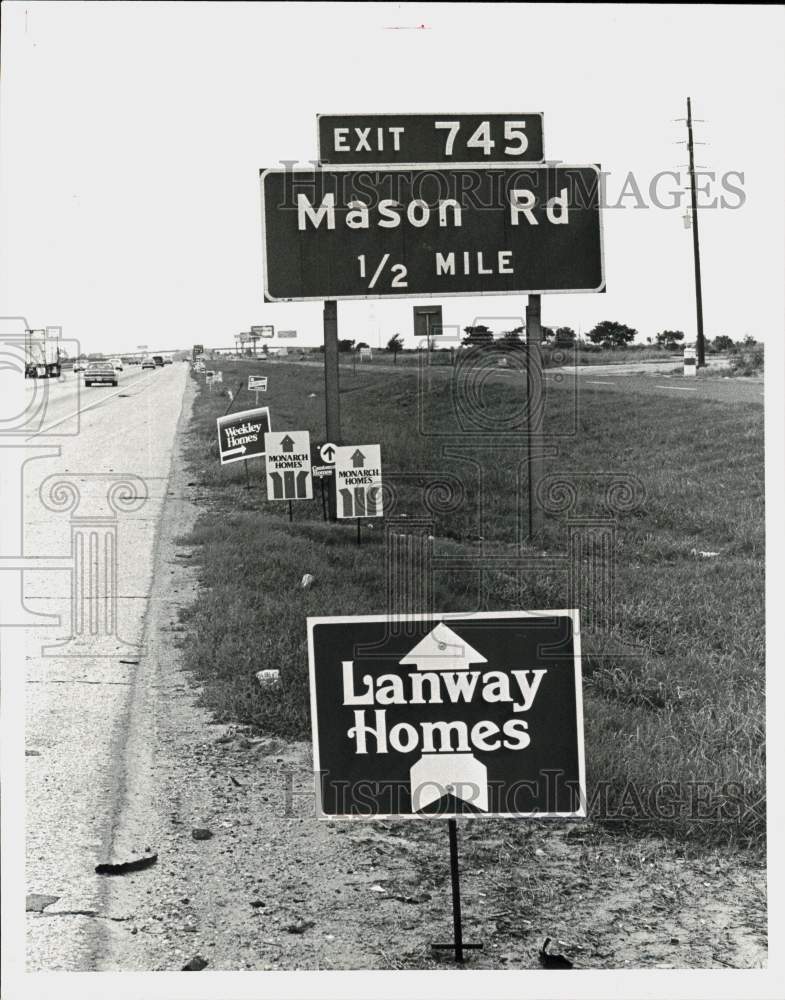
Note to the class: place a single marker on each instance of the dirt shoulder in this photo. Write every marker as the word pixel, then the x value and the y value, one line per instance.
pixel 273 888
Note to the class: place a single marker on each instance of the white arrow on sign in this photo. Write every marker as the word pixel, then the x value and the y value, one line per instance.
pixel 235 451
pixel 435 775
pixel 327 452
pixel 458 774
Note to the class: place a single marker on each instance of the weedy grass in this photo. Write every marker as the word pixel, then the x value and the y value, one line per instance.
pixel 674 689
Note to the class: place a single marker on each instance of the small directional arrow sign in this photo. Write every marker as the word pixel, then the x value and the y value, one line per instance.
pixel 327 452
pixel 289 466
pixel 358 480
pixel 241 435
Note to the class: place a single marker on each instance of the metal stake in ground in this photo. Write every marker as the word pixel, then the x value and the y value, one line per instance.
pixel 291 515
pixel 359 535
pixel 233 398
pixel 324 498
pixel 458 944
pixel 332 402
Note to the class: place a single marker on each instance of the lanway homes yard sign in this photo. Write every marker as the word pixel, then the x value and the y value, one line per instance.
pixel 476 714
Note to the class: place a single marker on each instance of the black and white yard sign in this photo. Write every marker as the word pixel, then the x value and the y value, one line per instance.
pixel 358 480
pixel 348 233
pixel 430 138
pixel 436 715
pixel 288 459
pixel 241 435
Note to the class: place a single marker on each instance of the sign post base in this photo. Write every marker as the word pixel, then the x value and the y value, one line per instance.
pixel 458 945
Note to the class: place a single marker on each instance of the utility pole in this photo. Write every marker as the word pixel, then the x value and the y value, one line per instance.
pixel 696 243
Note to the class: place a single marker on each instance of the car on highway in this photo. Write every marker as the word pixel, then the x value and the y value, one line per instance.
pixel 100 373
pixel 79 366
pixel 167 361
pixel 159 360
pixel 148 363
pixel 117 364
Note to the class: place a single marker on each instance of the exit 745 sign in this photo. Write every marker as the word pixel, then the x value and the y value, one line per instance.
pixel 351 233
pixel 430 138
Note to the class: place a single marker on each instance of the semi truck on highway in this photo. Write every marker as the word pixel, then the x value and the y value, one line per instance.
pixel 42 355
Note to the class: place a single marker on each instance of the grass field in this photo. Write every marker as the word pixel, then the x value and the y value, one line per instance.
pixel 674 694
pixel 553 356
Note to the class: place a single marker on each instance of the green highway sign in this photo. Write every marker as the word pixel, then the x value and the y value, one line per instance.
pixel 348 233
pixel 430 138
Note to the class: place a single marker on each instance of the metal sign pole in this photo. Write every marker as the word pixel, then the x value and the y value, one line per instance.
pixel 535 385
pixel 458 945
pixel 332 401
pixel 359 536
pixel 247 474
pixel 291 516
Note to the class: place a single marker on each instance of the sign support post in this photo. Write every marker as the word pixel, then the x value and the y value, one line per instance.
pixel 535 385
pixel 458 945
pixel 332 402
pixel 324 499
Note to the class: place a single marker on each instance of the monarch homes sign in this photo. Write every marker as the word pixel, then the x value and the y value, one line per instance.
pixel 440 715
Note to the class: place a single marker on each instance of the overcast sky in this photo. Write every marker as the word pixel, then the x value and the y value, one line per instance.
pixel 133 135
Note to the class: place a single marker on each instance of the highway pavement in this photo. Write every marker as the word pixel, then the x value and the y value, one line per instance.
pixel 90 517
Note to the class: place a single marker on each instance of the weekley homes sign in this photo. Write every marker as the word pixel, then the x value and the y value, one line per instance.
pixel 241 435
pixel 437 715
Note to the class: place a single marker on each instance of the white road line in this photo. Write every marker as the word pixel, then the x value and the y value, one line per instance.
pixel 76 413
pixel 589 381
pixel 678 388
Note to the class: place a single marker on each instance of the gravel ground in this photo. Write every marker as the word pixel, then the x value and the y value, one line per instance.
pixel 273 888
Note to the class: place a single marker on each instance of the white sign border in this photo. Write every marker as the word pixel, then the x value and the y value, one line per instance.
pixel 441 616
pixel 433 114
pixel 241 413
pixel 307 468
pixel 435 295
